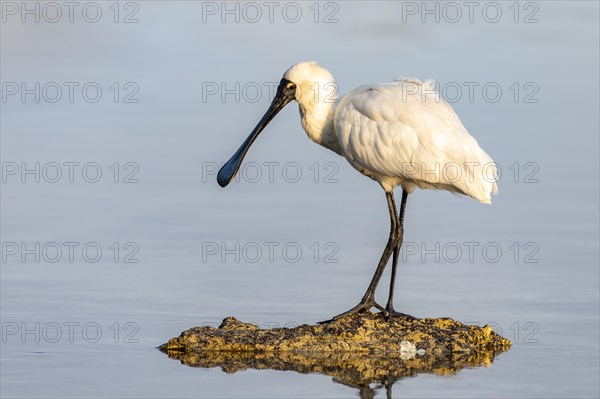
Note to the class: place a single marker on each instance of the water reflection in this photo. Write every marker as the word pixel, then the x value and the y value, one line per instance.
pixel 366 373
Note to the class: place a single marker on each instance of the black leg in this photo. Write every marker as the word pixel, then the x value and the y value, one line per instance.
pixel 389 307
pixel 368 300
pixel 390 312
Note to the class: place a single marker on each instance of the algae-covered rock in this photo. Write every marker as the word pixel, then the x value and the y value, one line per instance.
pixel 360 333
pixel 357 350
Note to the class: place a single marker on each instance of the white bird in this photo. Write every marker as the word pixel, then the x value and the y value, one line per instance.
pixel 398 134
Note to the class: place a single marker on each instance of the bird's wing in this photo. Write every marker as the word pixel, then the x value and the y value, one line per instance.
pixel 405 130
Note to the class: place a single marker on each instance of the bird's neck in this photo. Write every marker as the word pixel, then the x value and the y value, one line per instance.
pixel 317 121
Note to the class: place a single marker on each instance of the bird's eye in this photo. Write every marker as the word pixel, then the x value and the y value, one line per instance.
pixel 291 86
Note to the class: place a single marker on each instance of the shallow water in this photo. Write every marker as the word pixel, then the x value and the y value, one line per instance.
pixel 191 253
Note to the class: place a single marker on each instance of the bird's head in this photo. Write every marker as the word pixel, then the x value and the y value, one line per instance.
pixel 307 83
pixel 312 83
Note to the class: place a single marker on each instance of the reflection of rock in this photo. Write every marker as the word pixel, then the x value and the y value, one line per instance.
pixel 357 351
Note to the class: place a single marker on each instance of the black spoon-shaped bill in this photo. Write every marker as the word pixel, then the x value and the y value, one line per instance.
pixel 285 93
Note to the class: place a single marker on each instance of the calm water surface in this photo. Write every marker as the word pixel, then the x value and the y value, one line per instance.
pixel 189 253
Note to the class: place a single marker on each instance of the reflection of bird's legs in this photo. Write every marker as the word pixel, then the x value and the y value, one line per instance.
pixel 364 389
pixel 366 392
pixel 390 312
pixel 388 383
pixel 368 300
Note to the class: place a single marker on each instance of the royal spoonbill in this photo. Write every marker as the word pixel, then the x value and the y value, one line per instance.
pixel 398 134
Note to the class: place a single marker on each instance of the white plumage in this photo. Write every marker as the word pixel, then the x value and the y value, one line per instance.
pixel 403 133
pixel 400 133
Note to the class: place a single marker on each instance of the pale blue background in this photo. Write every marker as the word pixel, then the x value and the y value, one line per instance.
pixel 171 133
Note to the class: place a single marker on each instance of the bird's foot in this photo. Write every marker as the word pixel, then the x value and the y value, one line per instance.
pixel 363 306
pixel 390 312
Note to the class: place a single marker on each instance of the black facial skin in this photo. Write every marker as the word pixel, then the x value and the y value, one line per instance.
pixel 286 92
